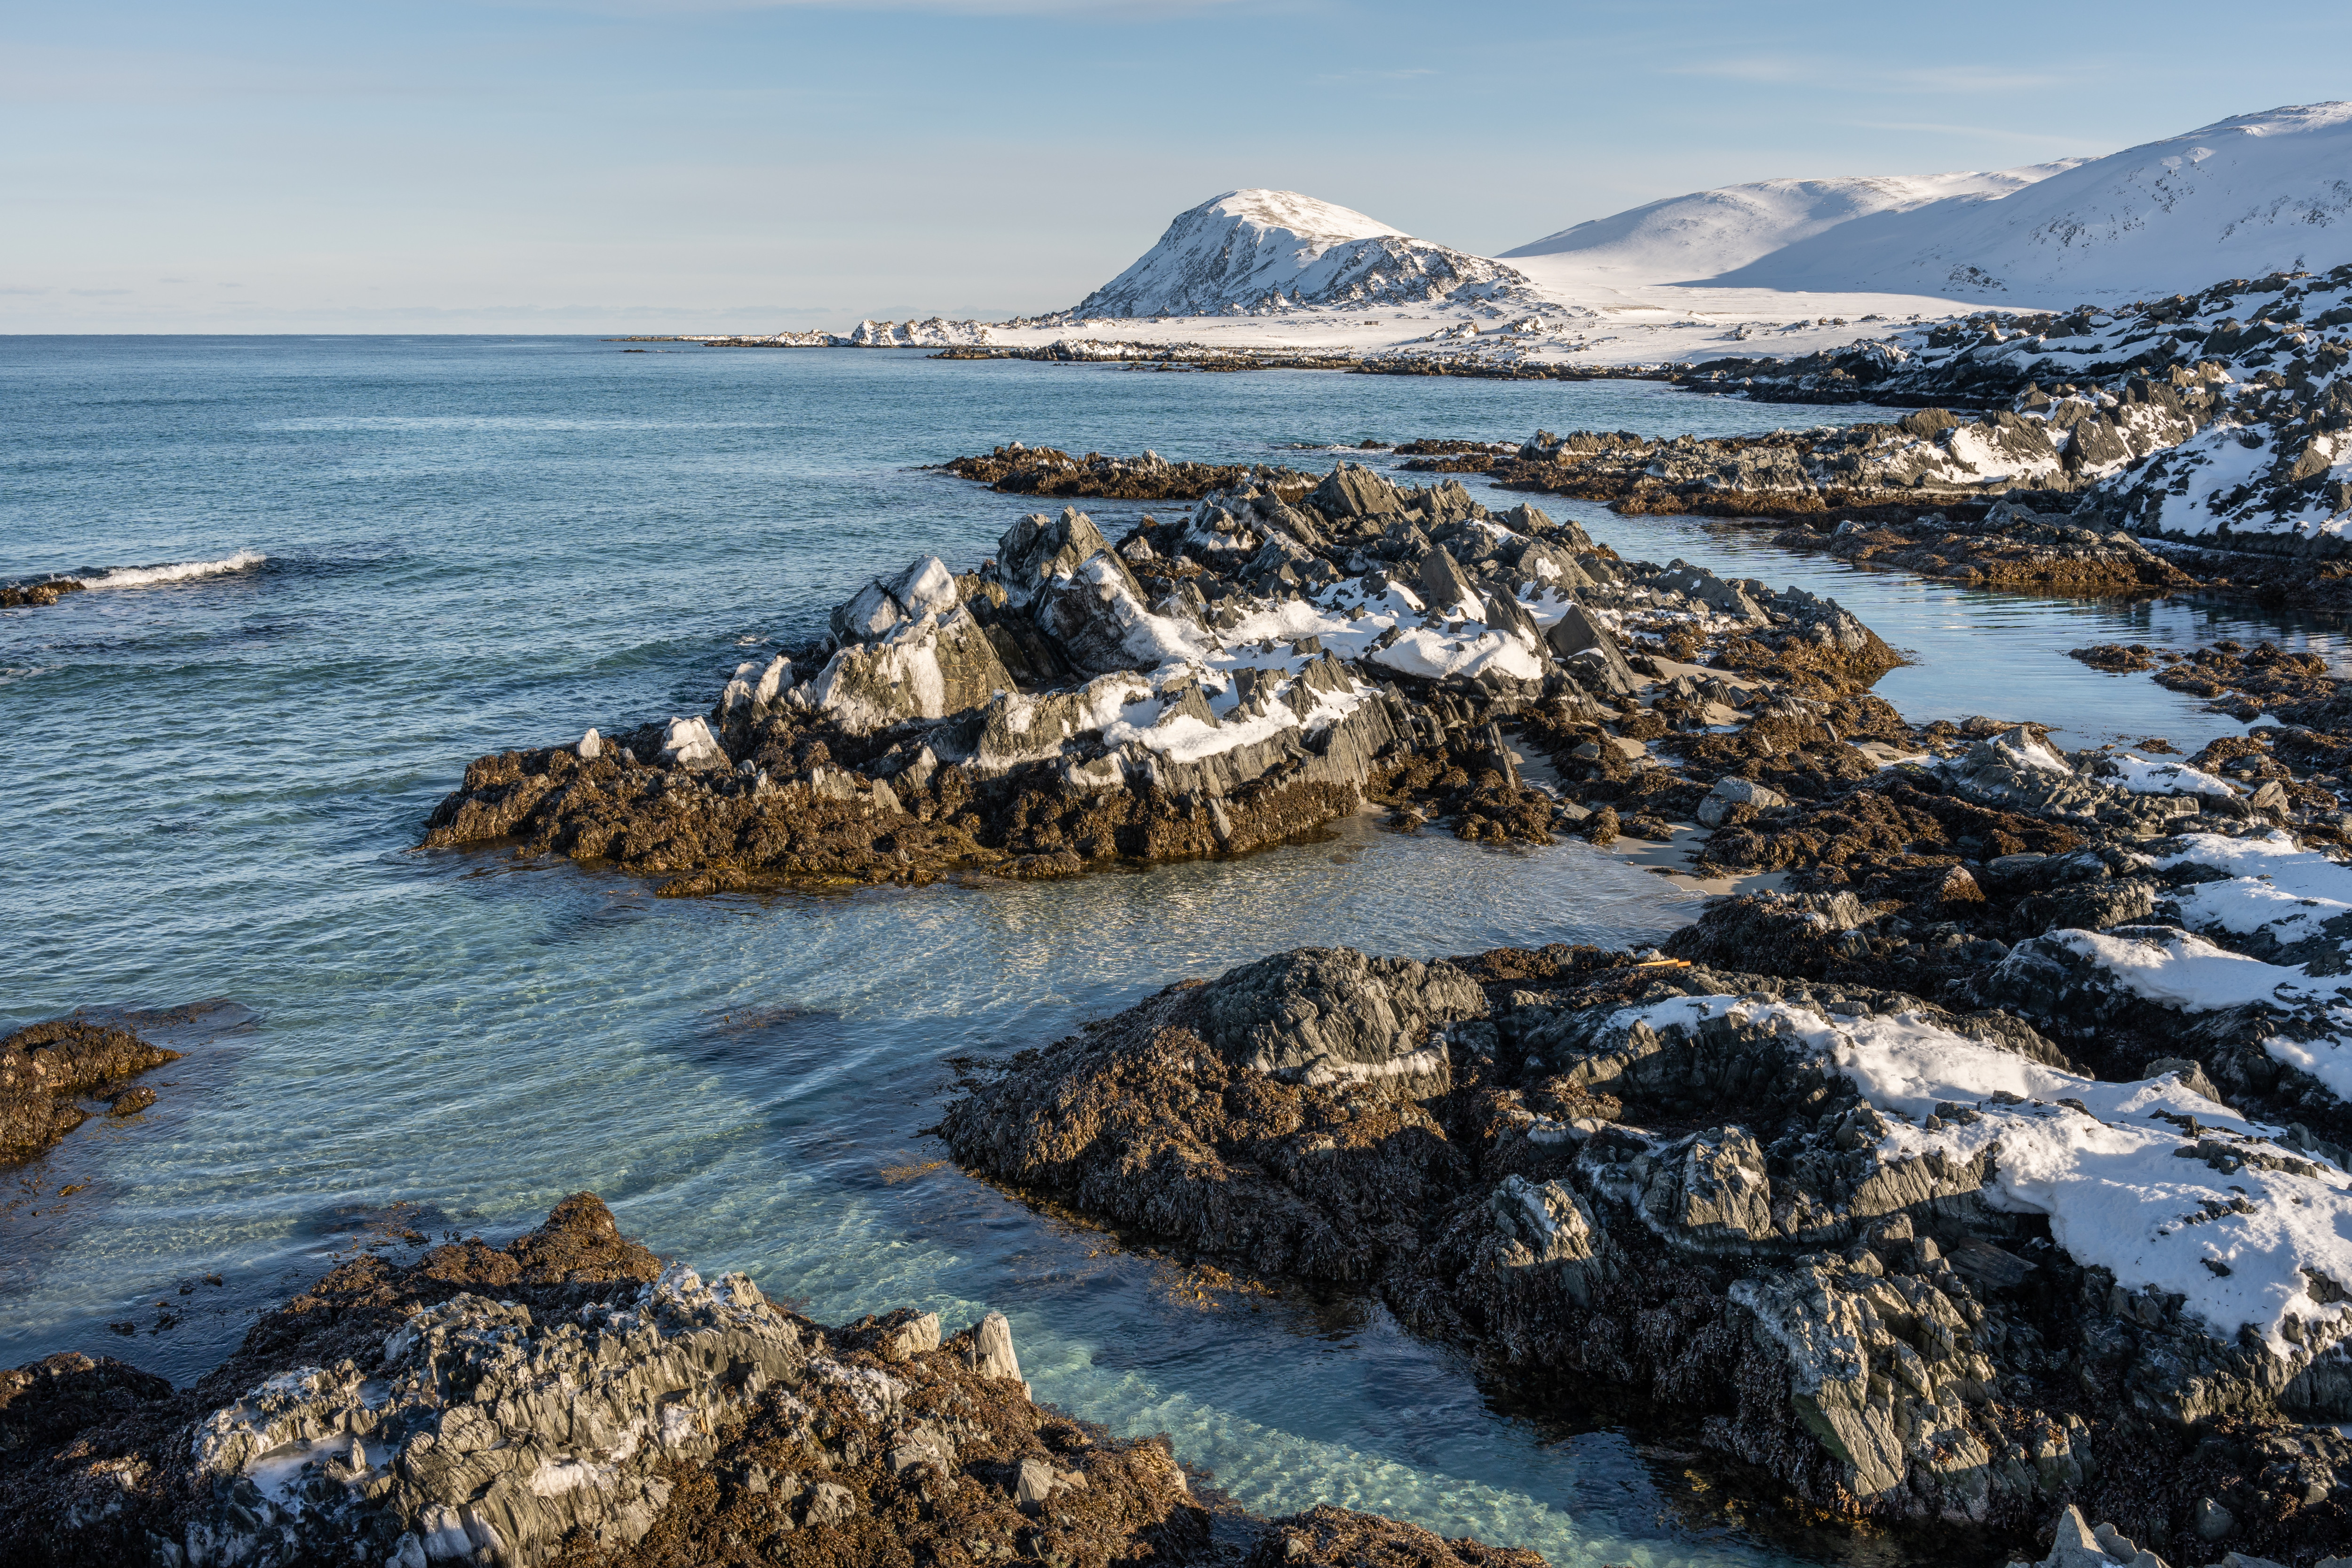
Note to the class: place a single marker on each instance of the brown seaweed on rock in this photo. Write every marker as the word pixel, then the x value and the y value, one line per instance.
pixel 45 1070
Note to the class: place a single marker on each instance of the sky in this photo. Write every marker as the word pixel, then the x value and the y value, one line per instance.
pixel 707 165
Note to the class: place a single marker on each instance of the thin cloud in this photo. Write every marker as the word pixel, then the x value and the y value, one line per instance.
pixel 1352 79
pixel 1974 79
pixel 1994 133
pixel 1757 67
pixel 1096 10
pixel 1783 70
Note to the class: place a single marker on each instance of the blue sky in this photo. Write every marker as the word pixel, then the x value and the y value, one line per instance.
pixel 254 166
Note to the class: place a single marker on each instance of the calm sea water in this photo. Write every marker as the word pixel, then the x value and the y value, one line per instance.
pixel 216 784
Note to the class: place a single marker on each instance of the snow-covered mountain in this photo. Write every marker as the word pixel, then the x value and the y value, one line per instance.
pixel 2243 197
pixel 1259 252
pixel 1710 232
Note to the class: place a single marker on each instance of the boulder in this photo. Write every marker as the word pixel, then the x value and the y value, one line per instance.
pixel 1332 1014
pixel 1444 584
pixel 1577 636
pixel 689 743
pixel 1353 490
pixel 1038 549
pixel 1728 793
pixel 992 1349
pixel 930 668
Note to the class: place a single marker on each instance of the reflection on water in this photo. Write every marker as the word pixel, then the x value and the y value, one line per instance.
pixel 471 549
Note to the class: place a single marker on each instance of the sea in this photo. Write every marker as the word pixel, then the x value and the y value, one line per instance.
pixel 326 573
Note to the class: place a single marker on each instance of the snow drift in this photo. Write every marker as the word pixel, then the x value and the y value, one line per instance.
pixel 1705 233
pixel 1257 252
pixel 2243 197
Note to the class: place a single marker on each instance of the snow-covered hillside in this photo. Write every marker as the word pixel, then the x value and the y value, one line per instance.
pixel 1261 252
pixel 2243 197
pixel 1705 233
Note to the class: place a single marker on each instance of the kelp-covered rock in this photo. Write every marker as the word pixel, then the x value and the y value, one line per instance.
pixel 46 1071
pixel 1046 471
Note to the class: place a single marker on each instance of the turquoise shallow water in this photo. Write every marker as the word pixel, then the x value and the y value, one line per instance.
pixel 216 784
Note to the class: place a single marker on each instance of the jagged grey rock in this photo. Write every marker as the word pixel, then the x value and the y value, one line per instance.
pixel 1331 1015
pixel 488 1434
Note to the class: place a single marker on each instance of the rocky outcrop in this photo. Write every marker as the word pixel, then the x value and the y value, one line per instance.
pixel 48 1070
pixel 1932 458
pixel 1995 1164
pixel 1824 1217
pixel 2223 418
pixel 1212 683
pixel 38 594
pixel 937 331
pixel 571 1399
pixel 1046 471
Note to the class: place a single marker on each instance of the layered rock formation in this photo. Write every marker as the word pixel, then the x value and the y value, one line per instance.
pixel 1998 1162
pixel 48 1070
pixel 572 1399
pixel 1219 681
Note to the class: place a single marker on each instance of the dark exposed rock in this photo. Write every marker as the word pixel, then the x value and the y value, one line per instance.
pixel 1327 1536
pixel 38 594
pixel 48 1070
pixel 1044 472
pixel 1707 1209
pixel 1703 1212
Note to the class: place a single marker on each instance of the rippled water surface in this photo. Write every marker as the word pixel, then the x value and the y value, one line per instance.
pixel 472 542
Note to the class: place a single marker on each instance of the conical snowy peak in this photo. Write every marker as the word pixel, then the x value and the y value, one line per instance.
pixel 1260 251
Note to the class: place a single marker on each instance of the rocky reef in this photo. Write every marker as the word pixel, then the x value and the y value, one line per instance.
pixel 1023 470
pixel 1210 684
pixel 1995 1163
pixel 38 594
pixel 48 1071
pixel 572 1399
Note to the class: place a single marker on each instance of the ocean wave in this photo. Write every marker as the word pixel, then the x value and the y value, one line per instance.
pixel 172 571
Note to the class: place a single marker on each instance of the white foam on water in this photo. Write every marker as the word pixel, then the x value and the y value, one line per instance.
pixel 173 571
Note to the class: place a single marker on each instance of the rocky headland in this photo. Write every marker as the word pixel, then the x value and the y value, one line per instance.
pixel 572 1399
pixel 1280 655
